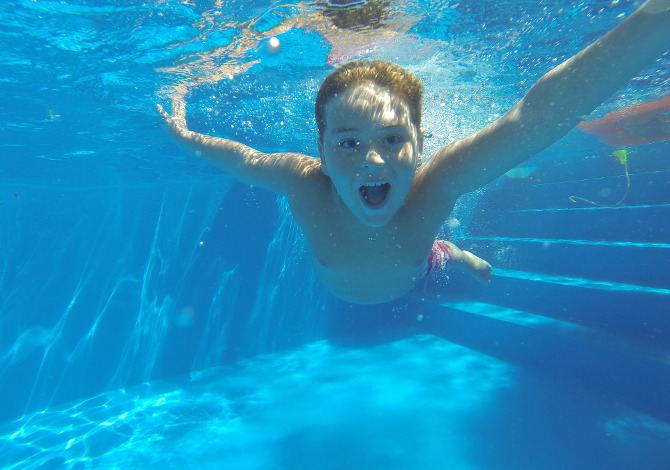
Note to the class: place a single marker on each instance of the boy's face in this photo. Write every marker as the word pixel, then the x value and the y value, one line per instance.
pixel 370 150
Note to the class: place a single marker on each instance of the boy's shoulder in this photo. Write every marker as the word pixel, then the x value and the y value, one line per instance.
pixel 310 184
pixel 287 173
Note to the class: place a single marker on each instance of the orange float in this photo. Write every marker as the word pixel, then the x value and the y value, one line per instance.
pixel 634 125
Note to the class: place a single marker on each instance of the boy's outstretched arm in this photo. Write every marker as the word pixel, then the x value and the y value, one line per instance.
pixel 554 104
pixel 283 173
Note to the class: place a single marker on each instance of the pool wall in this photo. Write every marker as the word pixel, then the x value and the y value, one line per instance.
pixel 105 287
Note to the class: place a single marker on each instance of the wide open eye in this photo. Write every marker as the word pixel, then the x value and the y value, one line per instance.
pixel 348 144
pixel 393 139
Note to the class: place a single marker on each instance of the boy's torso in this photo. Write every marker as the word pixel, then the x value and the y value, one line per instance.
pixel 356 262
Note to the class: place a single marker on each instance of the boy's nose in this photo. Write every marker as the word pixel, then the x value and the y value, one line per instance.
pixel 373 159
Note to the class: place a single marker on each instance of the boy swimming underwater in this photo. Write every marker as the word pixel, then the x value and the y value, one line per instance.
pixel 369 209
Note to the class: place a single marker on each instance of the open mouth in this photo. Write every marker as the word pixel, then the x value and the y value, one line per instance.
pixel 374 194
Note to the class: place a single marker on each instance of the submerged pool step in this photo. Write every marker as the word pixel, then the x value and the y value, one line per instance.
pixel 643 224
pixel 559 350
pixel 639 313
pixel 582 282
pixel 646 188
pixel 573 330
pixel 619 262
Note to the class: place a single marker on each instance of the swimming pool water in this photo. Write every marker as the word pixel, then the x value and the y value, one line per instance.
pixel 156 313
pixel 405 403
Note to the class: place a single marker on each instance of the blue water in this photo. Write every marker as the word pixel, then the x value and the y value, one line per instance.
pixel 155 313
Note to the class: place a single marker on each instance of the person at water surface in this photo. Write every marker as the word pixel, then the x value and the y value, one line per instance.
pixel 369 208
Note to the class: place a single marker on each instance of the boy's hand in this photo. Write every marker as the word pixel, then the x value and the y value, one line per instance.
pixel 176 123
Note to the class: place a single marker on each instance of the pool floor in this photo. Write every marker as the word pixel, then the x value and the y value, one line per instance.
pixel 397 403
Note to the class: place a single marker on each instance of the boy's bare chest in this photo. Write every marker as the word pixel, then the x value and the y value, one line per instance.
pixel 368 265
pixel 366 271
pixel 364 251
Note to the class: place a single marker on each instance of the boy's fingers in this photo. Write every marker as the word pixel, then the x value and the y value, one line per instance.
pixel 161 111
pixel 178 117
pixel 178 107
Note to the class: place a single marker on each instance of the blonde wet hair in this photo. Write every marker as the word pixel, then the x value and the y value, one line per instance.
pixel 401 83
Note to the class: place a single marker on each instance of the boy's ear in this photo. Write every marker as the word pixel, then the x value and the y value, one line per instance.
pixel 324 167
